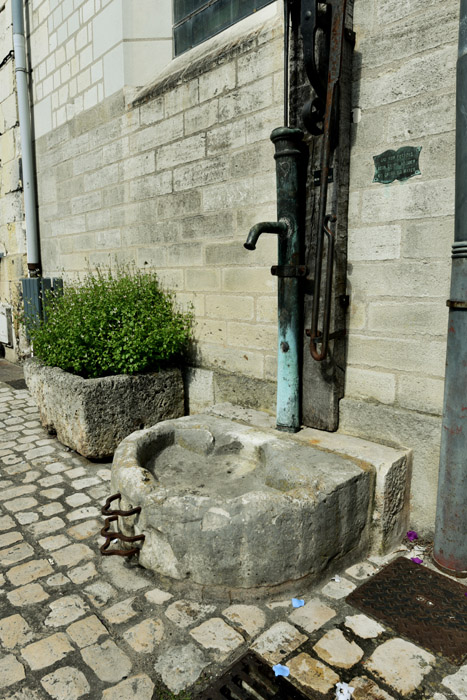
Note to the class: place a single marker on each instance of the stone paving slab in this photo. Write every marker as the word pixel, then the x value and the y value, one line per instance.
pixel 76 625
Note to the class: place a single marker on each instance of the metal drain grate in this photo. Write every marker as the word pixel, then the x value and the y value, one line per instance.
pixel 419 604
pixel 251 679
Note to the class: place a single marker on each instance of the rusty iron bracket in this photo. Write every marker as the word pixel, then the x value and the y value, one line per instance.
pixel 111 535
pixel 289 270
pixel 453 304
pixel 317 177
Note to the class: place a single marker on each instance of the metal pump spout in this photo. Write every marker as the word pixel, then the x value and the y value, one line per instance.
pixel 280 227
pixel 289 157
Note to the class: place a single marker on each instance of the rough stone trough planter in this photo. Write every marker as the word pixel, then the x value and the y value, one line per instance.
pixel 92 416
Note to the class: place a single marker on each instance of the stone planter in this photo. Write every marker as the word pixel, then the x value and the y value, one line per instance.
pixel 92 416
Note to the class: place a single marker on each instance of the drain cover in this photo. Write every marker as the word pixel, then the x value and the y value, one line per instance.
pixel 420 604
pixel 17 383
pixel 251 679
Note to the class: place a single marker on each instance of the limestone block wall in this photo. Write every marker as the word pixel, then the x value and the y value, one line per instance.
pixel 174 183
pixel 83 51
pixel 12 231
pixel 400 234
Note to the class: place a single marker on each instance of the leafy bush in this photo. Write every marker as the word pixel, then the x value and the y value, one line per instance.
pixel 118 322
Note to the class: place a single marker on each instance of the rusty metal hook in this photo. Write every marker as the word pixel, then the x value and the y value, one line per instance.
pixel 111 535
pixel 317 336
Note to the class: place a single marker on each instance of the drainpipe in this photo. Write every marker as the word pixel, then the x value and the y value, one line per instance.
pixel 28 175
pixel 450 545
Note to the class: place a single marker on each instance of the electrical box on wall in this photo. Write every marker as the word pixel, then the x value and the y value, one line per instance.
pixel 6 325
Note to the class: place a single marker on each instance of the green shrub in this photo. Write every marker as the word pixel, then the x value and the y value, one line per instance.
pixel 118 322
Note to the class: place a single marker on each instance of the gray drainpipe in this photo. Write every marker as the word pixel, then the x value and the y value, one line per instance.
pixel 450 546
pixel 28 176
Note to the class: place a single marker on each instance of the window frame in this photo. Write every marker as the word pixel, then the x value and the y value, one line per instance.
pixel 189 29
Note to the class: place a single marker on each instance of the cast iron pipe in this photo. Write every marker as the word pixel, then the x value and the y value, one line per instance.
pixel 450 545
pixel 288 155
pixel 279 227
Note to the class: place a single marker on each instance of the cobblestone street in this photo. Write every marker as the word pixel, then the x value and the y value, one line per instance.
pixel 76 625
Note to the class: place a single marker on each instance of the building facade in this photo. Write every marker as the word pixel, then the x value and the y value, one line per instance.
pixel 163 160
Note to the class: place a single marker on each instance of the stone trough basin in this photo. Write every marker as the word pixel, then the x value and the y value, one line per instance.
pixel 236 509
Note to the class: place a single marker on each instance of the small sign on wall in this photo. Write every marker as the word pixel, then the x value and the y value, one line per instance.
pixel 397 165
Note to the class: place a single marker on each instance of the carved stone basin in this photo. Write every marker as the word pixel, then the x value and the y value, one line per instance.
pixel 230 506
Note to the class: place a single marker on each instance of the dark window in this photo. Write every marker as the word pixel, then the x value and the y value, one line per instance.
pixel 197 20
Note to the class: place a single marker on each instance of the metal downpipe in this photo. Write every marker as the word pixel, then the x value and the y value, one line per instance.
pixel 28 174
pixel 450 545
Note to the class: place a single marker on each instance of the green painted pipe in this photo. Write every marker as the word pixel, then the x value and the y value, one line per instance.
pixel 288 156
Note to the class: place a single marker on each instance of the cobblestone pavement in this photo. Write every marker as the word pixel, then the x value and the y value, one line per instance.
pixel 76 625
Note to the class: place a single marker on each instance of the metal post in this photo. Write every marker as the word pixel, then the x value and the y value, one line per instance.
pixel 450 546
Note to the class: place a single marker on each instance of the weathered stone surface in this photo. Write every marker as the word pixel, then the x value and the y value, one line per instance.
pixel 138 687
pixel 366 689
pixel 144 636
pixel 180 666
pixel 158 597
pixel 14 631
pixel 120 612
pixel 47 651
pixel 232 484
pixel 400 664
pixel 337 651
pixel 392 472
pixel 363 626
pixel 457 683
pixel 312 673
pixel 338 589
pixel 65 610
pixel 108 662
pixel 218 635
pixel 278 641
pixel 248 618
pixel 27 595
pixel 11 671
pixel 86 632
pixel 185 612
pixel 92 416
pixel 66 682
pixel 312 616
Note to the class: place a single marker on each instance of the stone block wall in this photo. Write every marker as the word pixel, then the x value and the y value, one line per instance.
pixel 83 51
pixel 400 235
pixel 173 182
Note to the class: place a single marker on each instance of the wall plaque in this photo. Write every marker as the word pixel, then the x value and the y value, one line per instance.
pixel 397 165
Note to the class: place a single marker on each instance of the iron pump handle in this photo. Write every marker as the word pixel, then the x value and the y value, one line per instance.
pixel 320 118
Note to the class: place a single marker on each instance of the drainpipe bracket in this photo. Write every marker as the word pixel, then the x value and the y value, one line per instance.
pixel 453 304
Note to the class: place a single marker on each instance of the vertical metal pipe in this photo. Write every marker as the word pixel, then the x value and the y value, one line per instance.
pixel 28 176
pixel 288 157
pixel 450 545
